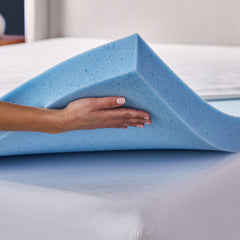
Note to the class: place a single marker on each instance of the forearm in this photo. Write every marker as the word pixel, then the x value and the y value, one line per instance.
pixel 81 114
pixel 23 118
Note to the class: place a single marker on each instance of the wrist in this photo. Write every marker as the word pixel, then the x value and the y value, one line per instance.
pixel 56 121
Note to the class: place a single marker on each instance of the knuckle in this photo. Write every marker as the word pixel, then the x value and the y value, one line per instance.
pixel 108 103
pixel 141 120
pixel 88 102
pixel 142 113
pixel 136 121
pixel 122 121
pixel 127 115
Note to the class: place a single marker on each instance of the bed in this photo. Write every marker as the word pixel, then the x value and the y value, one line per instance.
pixel 151 194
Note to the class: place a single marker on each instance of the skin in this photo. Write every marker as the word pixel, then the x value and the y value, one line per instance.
pixel 81 114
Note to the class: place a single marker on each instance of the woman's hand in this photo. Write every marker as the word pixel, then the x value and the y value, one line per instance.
pixel 81 114
pixel 92 113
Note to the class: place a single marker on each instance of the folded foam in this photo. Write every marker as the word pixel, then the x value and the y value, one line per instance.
pixel 127 67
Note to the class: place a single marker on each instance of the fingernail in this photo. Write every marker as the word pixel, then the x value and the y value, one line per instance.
pixel 140 126
pixel 120 101
pixel 146 118
pixel 148 123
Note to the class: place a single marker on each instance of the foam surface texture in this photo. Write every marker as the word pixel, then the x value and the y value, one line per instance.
pixel 126 67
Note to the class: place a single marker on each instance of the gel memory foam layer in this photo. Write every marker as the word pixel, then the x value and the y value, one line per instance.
pixel 126 67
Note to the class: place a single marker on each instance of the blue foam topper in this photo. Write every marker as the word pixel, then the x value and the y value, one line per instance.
pixel 127 67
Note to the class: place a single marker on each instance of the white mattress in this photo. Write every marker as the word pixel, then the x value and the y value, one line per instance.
pixel 182 195
pixel 213 72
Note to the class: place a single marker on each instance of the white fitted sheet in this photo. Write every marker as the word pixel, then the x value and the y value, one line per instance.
pixel 120 195
pixel 213 72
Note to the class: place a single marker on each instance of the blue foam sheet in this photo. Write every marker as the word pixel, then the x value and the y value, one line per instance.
pixel 127 67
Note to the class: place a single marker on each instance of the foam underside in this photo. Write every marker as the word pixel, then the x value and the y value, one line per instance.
pixel 129 68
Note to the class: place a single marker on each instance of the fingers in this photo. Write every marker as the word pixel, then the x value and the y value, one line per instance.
pixel 123 127
pixel 125 113
pixel 109 106
pixel 111 116
pixel 107 102
pixel 93 113
pixel 120 123
pixel 125 117
pixel 139 125
pixel 130 122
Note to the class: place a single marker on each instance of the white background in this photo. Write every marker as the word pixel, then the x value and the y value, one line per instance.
pixel 170 21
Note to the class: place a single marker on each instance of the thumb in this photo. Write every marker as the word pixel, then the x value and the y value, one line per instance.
pixel 108 102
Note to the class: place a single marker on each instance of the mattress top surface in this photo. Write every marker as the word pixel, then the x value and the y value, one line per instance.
pixel 212 71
